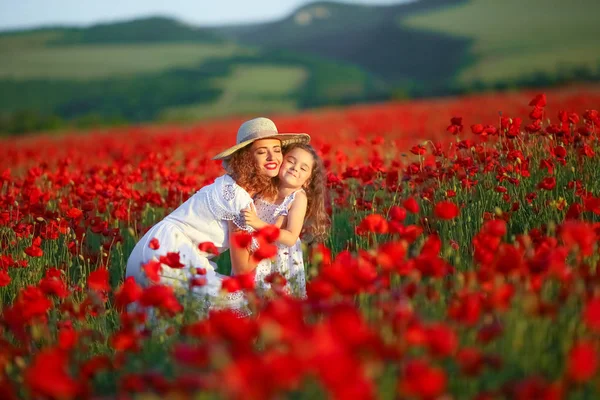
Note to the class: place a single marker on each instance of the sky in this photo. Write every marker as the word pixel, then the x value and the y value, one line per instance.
pixel 17 14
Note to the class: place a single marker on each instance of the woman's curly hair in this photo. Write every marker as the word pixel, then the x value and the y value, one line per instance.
pixel 245 172
pixel 316 221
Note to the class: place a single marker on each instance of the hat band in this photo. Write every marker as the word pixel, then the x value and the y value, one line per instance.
pixel 258 135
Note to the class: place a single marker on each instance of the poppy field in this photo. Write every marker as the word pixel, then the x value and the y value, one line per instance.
pixel 462 260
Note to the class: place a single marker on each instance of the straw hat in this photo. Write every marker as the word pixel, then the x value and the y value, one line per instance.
pixel 260 128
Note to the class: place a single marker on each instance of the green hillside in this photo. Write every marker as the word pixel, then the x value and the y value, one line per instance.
pixel 513 38
pixel 82 54
pixel 324 53
pixel 49 79
pixel 366 36
pixel 144 30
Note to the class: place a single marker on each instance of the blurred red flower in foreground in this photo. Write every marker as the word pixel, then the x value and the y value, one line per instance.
pixel 583 362
pixel 47 375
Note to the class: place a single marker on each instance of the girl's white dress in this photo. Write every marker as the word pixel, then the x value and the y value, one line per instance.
pixel 289 261
pixel 202 218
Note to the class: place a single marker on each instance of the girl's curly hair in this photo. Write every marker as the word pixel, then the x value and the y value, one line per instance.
pixel 246 173
pixel 316 221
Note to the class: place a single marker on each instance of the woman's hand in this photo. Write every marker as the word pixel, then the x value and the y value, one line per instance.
pixel 252 219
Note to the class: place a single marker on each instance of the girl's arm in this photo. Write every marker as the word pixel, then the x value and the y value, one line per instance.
pixel 295 221
pixel 241 262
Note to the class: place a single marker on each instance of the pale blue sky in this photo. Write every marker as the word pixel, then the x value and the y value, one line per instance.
pixel 16 14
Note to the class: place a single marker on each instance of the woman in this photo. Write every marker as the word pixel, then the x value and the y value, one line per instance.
pixel 213 212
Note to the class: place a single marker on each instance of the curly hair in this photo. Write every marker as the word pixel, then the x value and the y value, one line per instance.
pixel 316 221
pixel 246 173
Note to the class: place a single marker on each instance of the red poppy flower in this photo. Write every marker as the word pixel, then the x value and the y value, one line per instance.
pixel 189 355
pixel 242 239
pixel 270 233
pixel 208 247
pixel 591 314
pixel 559 152
pixel 578 233
pixel 411 205
pixel 548 183
pixel 442 341
pixel 128 293
pixel 35 249
pixel 539 100
pixel 265 250
pixel 47 376
pixel 161 296
pixel 418 149
pixel 53 284
pixel 422 380
pixel 154 245
pixel 125 340
pixel 397 213
pixel 582 363
pixel 172 260
pixel 470 361
pixel 4 278
pixel 591 115
pixel 537 113
pixel 373 223
pixel 391 254
pixel 152 269
pixel 98 280
pixel 477 129
pixel 231 284
pixel 446 210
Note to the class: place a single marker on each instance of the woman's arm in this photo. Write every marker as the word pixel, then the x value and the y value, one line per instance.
pixel 241 262
pixel 295 221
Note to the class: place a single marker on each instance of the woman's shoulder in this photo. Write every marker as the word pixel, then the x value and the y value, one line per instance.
pixel 232 192
pixel 226 193
pixel 227 186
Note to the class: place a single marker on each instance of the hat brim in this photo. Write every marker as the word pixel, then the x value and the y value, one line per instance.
pixel 285 138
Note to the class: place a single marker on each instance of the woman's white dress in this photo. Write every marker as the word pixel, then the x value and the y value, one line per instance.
pixel 289 261
pixel 202 218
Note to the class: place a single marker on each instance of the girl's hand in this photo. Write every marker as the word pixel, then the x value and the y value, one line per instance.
pixel 251 218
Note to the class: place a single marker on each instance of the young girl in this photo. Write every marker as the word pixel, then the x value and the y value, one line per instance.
pixel 300 202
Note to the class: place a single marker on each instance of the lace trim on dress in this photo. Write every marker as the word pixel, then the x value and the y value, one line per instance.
pixel 220 203
pixel 240 221
pixel 228 192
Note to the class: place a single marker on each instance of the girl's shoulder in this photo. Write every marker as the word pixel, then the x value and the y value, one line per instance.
pixel 298 195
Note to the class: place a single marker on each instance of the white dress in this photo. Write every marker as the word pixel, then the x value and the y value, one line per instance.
pixel 202 218
pixel 289 261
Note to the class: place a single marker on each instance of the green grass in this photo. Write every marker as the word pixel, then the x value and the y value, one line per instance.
pixel 250 89
pixel 26 58
pixel 512 38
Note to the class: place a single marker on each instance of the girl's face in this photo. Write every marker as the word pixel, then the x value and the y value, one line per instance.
pixel 268 157
pixel 297 168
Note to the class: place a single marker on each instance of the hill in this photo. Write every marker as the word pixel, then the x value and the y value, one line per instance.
pixel 510 39
pixel 324 53
pixel 366 36
pixel 144 30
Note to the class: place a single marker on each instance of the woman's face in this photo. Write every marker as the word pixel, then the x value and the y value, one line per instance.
pixel 268 157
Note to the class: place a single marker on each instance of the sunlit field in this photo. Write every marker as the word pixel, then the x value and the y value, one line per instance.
pixel 462 260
